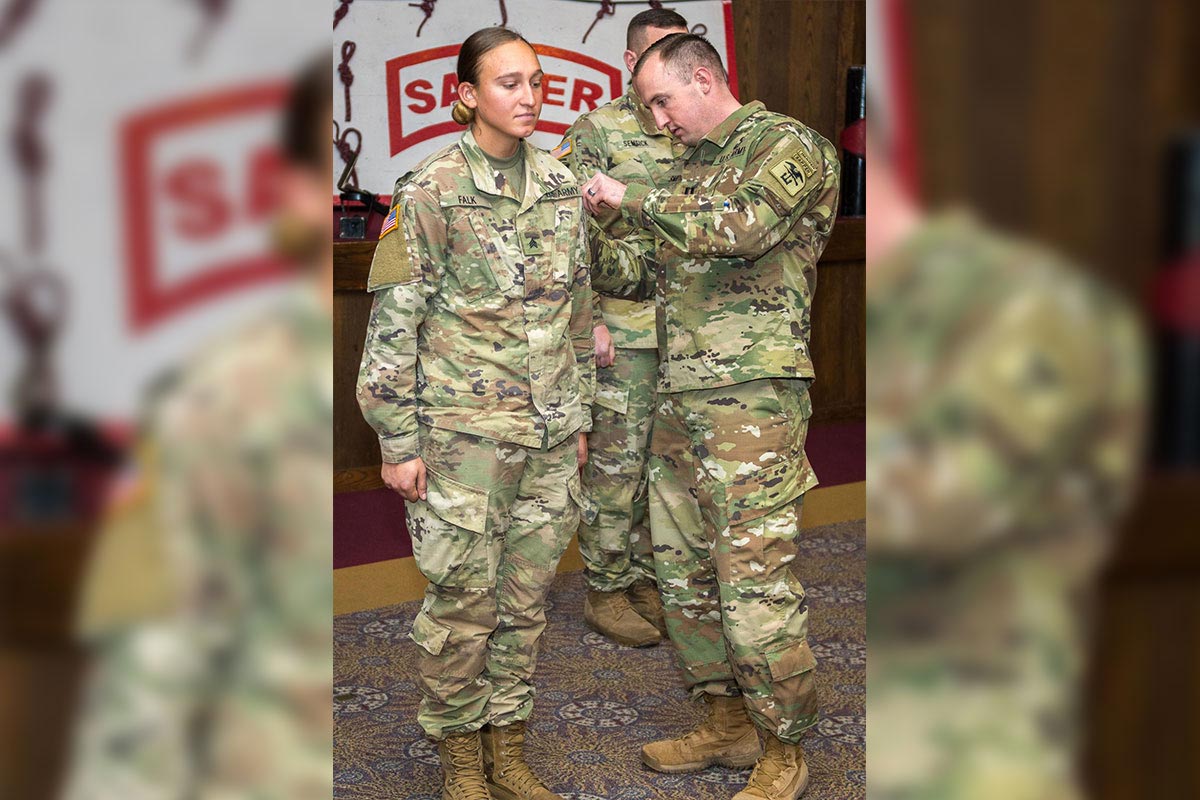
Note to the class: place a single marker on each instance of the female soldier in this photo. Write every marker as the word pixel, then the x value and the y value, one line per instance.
pixel 478 377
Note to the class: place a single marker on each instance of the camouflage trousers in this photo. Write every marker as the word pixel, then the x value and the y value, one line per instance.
pixel 727 480
pixel 489 536
pixel 616 547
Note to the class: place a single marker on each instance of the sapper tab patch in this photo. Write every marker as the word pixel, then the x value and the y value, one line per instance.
pixel 563 150
pixel 794 171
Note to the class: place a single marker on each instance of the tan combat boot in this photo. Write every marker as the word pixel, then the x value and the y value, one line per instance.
pixel 508 776
pixel 462 767
pixel 727 738
pixel 610 614
pixel 780 774
pixel 647 602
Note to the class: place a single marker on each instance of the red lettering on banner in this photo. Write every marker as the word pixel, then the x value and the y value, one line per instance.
pixel 403 86
pixel 550 91
pixel 199 201
pixel 262 183
pixel 449 89
pixel 204 210
pixel 586 92
pixel 421 90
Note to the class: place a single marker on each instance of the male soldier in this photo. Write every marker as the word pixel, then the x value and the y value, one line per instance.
pixel 621 139
pixel 208 600
pixel 740 235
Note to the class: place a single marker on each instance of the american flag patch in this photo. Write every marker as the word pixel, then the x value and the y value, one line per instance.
pixel 390 224
pixel 563 149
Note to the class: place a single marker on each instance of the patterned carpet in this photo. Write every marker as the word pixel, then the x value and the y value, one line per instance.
pixel 598 703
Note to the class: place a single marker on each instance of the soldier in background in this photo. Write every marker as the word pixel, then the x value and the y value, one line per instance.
pixel 621 139
pixel 1005 413
pixel 478 374
pixel 739 238
pixel 209 600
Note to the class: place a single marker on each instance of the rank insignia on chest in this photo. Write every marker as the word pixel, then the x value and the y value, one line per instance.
pixel 531 243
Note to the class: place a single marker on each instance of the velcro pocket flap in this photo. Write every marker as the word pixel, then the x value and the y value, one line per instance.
pixel 430 634
pixel 609 394
pixel 789 661
pixel 753 495
pixel 456 503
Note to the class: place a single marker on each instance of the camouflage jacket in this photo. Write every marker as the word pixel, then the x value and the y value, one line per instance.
pixel 739 235
pixel 620 139
pixel 482 318
pixel 208 597
pixel 1004 419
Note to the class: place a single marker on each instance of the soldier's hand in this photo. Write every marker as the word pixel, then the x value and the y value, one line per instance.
pixel 601 190
pixel 582 449
pixel 407 478
pixel 606 351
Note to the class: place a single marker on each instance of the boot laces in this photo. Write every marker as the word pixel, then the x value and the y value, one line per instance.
pixel 769 768
pixel 516 771
pixel 465 760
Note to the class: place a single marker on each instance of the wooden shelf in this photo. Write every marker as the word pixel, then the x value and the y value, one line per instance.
pixel 352 260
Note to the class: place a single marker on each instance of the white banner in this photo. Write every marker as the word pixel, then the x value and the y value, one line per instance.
pixel 403 85
pixel 157 138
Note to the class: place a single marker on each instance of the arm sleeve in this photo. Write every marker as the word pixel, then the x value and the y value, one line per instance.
pixel 408 261
pixel 788 176
pixel 584 317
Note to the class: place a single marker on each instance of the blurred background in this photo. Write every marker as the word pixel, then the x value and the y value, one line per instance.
pixel 143 177
pixel 1033 363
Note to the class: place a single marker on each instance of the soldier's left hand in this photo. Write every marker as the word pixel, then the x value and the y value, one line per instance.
pixel 582 453
pixel 606 351
pixel 601 190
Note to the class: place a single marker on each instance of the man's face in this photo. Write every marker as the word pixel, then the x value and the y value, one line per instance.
pixel 679 107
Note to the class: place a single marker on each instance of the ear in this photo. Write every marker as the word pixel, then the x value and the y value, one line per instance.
pixel 466 93
pixel 631 59
pixel 703 78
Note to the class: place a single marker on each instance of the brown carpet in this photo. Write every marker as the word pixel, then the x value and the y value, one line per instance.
pixel 598 703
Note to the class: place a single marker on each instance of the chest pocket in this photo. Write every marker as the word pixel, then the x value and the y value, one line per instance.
pixel 559 222
pixel 478 265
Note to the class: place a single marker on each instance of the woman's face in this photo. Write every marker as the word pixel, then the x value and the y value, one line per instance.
pixel 508 97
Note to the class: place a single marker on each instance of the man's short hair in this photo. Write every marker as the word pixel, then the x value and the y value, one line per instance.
pixel 652 18
pixel 682 53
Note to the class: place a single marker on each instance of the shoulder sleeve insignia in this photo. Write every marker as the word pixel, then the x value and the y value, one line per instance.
pixel 563 150
pixel 792 172
pixel 392 263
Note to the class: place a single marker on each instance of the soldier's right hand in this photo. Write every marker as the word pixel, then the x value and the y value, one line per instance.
pixel 407 478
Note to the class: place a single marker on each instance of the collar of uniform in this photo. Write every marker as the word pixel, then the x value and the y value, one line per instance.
pixel 540 177
pixel 482 174
pixel 641 113
pixel 720 134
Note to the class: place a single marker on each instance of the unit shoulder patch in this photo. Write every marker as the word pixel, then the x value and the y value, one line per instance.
pixel 792 172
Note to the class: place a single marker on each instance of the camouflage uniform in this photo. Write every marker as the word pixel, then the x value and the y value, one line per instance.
pixel 621 140
pixel 479 360
pixel 1004 416
pixel 739 238
pixel 210 592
